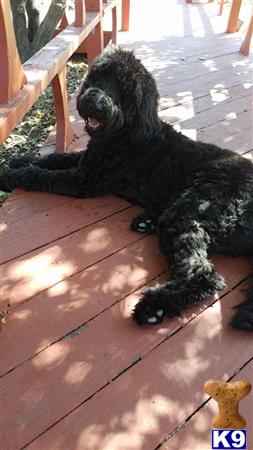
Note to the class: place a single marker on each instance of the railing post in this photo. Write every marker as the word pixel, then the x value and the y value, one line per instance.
pixel 12 77
pixel 95 40
pixel 80 13
pixel 221 7
pixel 64 22
pixel 125 15
pixel 245 47
pixel 233 17
pixel 114 25
pixel 64 131
pixel 94 5
pixel 95 43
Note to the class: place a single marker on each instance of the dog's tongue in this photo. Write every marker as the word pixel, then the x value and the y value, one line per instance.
pixel 94 123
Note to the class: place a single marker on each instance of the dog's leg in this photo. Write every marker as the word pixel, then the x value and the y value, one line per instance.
pixel 185 244
pixel 71 182
pixel 145 222
pixel 52 162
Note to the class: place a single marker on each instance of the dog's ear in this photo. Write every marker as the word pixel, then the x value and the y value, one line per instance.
pixel 147 124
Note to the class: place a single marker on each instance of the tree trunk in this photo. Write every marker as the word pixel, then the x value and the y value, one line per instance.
pixel 33 15
pixel 19 23
pixel 31 35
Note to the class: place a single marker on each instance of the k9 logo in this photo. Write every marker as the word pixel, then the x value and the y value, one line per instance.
pixel 227 439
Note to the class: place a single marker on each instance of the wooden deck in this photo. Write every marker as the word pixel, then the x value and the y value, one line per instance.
pixel 77 372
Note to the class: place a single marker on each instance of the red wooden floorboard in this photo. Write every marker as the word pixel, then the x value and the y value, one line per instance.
pixel 22 236
pixel 77 372
pixel 42 268
pixel 78 299
pixel 156 394
pixel 117 347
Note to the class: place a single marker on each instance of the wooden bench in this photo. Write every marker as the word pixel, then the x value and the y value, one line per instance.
pixel 21 85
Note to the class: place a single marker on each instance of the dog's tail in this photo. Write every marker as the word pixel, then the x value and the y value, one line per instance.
pixel 243 318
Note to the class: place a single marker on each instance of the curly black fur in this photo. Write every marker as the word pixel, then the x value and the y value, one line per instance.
pixel 198 197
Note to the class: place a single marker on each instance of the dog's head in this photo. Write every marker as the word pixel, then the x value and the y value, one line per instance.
pixel 119 94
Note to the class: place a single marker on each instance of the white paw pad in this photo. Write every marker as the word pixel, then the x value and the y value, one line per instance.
pixel 155 319
pixel 152 319
pixel 142 226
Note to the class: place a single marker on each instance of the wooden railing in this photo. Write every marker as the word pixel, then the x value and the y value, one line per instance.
pixel 20 85
pixel 233 22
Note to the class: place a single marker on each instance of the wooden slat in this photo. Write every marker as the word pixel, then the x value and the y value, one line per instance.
pixel 240 143
pixel 119 342
pixel 196 433
pixel 206 113
pixel 22 237
pixel 143 404
pixel 22 205
pixel 219 132
pixel 178 70
pixel 217 95
pixel 200 85
pixel 221 112
pixel 42 268
pixel 212 46
pixel 67 305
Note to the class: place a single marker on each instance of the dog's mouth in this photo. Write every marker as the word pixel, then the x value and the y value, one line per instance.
pixel 93 123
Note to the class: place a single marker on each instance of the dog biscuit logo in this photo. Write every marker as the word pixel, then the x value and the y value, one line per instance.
pixel 228 423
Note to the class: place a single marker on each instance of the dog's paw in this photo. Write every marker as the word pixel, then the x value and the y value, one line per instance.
pixel 7 180
pixel 143 223
pixel 151 309
pixel 22 161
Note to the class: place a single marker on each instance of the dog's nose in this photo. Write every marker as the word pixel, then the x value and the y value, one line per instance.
pixel 91 101
pixel 95 96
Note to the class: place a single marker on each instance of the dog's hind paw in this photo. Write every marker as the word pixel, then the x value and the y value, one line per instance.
pixel 148 317
pixel 152 308
pixel 158 316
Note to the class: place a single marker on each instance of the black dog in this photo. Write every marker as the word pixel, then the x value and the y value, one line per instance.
pixel 198 197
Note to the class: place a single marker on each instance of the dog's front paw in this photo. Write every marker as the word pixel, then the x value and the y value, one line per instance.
pixel 143 223
pixel 8 180
pixel 22 161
